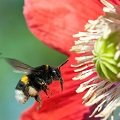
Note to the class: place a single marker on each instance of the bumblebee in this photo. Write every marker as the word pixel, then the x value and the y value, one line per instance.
pixel 34 80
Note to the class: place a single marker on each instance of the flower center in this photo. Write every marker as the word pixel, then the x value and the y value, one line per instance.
pixel 106 57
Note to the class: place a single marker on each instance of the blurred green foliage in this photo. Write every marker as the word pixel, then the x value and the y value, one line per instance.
pixel 17 42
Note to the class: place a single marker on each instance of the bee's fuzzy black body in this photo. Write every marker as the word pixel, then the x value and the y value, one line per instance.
pixel 34 80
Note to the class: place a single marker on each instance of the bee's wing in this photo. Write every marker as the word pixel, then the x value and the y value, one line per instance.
pixel 19 66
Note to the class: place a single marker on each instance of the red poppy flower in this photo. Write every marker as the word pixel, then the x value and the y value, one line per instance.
pixel 54 22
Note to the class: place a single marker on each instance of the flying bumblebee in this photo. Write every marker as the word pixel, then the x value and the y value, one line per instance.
pixel 34 79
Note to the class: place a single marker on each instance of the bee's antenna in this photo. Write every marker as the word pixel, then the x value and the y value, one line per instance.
pixel 61 80
pixel 62 64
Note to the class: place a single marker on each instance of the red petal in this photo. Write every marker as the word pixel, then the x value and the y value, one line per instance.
pixel 62 105
pixel 114 2
pixel 55 21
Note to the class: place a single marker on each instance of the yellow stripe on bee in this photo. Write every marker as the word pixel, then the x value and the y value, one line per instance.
pixel 25 79
pixel 46 67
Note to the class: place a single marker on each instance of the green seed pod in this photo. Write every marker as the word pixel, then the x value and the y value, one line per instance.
pixel 107 57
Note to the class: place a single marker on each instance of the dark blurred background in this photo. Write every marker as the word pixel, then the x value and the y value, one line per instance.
pixel 17 42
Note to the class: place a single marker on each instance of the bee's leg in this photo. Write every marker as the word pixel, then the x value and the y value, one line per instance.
pixel 43 86
pixel 45 89
pixel 61 83
pixel 38 99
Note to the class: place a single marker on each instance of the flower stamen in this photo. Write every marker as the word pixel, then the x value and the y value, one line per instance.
pixel 98 62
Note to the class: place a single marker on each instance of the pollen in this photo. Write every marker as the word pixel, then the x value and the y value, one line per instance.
pixel 25 79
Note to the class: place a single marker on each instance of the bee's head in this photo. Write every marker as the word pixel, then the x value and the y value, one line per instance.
pixel 56 73
pixel 24 90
